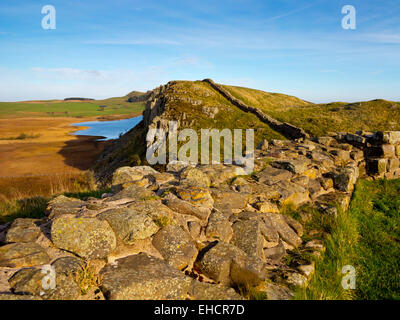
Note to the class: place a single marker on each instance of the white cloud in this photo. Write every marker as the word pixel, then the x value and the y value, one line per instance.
pixel 388 38
pixel 143 42
pixel 70 73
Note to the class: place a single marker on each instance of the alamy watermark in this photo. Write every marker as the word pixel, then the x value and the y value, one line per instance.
pixel 49 280
pixel 49 20
pixel 159 140
pixel 349 21
pixel 349 280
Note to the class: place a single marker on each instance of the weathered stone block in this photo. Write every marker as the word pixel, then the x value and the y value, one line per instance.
pixel 23 230
pixel 376 166
pixel 383 151
pixel 294 166
pixel 393 164
pixel 143 277
pixel 19 255
pixel 340 155
pixel 275 253
pixel 389 137
pixel 247 236
pixel 87 237
pixel 128 224
pixel 176 246
pixel 326 141
pixel 216 262
pixel 345 178
pixel 219 227
pixel 272 175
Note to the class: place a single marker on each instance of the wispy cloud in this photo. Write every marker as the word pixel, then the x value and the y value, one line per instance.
pixel 190 61
pixel 134 42
pixel 388 38
pixel 70 73
pixel 291 12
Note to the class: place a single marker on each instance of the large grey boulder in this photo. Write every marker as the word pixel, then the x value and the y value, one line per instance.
pixel 143 277
pixel 218 226
pixel 23 230
pixel 271 175
pixel 184 207
pixel 129 225
pixel 89 238
pixel 130 174
pixel 31 281
pixel 176 246
pixel 293 165
pixel 63 205
pixel 228 265
pixel 19 255
pixel 132 192
pixel 248 237
pixel 280 224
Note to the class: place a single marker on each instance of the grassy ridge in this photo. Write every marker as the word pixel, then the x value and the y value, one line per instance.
pixel 366 237
pixel 318 119
pixel 192 97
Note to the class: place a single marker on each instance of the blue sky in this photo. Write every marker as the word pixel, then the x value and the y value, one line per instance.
pixel 107 48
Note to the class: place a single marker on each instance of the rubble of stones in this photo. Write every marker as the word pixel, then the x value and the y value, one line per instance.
pixel 192 232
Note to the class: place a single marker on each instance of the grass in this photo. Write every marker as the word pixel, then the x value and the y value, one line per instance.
pixel 376 207
pixel 27 197
pixel 87 278
pixel 114 106
pixel 163 221
pixel 33 207
pixel 326 282
pixel 366 237
pixel 319 119
pixel 184 93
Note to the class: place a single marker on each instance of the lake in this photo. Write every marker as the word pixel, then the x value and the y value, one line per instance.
pixel 107 129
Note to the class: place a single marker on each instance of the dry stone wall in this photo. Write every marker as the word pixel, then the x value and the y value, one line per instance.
pixel 381 151
pixel 285 128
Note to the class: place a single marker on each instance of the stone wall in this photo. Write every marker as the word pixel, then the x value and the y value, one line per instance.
pixel 381 151
pixel 285 128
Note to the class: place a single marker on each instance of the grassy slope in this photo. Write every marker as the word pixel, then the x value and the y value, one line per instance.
pixel 115 106
pixel 318 119
pixel 366 237
pixel 229 116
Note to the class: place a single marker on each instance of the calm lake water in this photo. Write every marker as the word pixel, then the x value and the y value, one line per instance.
pixel 107 129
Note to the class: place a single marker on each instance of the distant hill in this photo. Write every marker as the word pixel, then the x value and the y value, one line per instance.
pixel 78 99
pixel 76 107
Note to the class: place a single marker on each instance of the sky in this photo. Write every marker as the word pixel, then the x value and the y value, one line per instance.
pixel 107 48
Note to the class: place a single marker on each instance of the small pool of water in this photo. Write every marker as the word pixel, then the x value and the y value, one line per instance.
pixel 107 129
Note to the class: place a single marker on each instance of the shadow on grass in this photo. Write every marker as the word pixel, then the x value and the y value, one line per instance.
pixel 35 207
pixel 24 208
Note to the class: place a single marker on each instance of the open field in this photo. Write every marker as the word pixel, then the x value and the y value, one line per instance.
pixel 60 108
pixel 52 150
